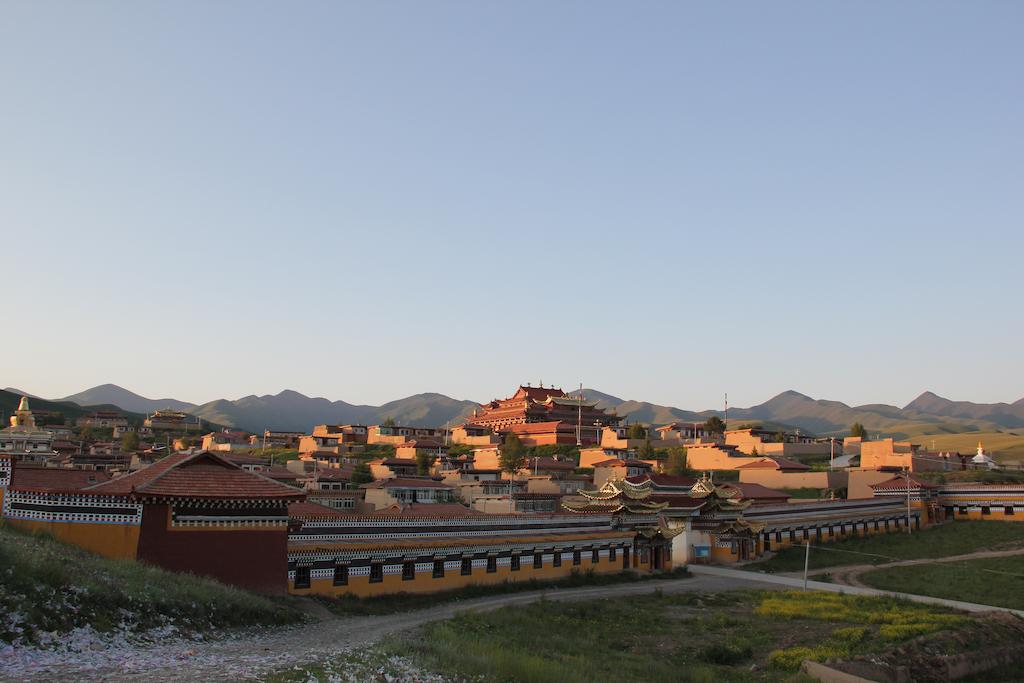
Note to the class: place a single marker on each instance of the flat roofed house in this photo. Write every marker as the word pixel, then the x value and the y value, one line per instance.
pixel 420 446
pixel 404 490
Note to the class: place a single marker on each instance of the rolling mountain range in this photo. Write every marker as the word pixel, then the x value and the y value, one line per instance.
pixel 928 414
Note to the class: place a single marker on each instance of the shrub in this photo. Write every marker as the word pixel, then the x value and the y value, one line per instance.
pixel 727 653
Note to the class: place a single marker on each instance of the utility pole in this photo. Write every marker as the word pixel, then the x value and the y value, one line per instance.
pixel 807 560
pixel 726 421
pixel 579 418
pixel 832 453
pixel 906 472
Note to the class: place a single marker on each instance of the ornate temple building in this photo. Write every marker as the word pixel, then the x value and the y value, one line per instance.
pixel 535 405
pixel 23 439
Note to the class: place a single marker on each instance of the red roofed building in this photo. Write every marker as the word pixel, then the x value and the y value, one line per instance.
pixel 551 406
pixel 197 513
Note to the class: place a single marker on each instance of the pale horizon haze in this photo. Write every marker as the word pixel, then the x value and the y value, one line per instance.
pixel 663 201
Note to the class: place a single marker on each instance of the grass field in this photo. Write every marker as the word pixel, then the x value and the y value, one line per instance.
pixel 740 636
pixel 952 538
pixel 48 588
pixel 997 581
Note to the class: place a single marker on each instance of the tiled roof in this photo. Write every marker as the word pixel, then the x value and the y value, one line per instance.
pixel 676 500
pixel 900 484
pixel 304 510
pixel 758 492
pixel 548 464
pixel 55 479
pixel 428 510
pixel 199 475
pixel 667 480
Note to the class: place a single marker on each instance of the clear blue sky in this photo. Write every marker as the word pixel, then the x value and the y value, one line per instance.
pixel 665 201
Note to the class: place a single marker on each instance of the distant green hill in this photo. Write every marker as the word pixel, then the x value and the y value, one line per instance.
pixel 9 403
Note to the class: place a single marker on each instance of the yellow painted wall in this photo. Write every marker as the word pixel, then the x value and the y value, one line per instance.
pixel 109 540
pixel 425 583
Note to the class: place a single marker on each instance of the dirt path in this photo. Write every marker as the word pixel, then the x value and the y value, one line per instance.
pixel 252 655
pixel 850 575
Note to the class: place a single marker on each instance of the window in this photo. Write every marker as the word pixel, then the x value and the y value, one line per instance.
pixel 538 560
pixel 438 569
pixel 817 532
pixel 492 564
pixel 1008 510
pixel 376 572
pixel 778 537
pixel 576 557
pixel 612 553
pixel 625 557
pixel 595 556
pixel 515 562
pixel 963 510
pixel 556 558
pixel 792 536
pixel 341 575
pixel 467 566
pixel 876 525
pixel 986 510
pixel 807 534
pixel 302 577
pixel 408 571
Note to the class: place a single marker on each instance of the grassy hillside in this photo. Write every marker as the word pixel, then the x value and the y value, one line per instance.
pixel 1006 446
pixel 9 403
pixel 997 581
pixel 48 589
pixel 954 538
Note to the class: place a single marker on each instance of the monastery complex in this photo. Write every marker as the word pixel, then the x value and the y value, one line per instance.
pixel 374 509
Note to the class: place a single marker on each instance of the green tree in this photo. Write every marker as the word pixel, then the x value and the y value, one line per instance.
pixel 714 425
pixel 361 474
pixel 424 461
pixel 513 455
pixel 676 464
pixel 647 450
pixel 857 429
pixel 389 422
pixel 130 441
pixel 636 431
pixel 54 418
pixel 87 435
pixel 780 436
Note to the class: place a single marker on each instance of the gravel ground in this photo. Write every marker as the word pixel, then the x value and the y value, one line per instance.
pixel 85 656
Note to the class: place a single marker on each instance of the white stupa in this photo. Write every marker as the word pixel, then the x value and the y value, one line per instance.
pixel 982 460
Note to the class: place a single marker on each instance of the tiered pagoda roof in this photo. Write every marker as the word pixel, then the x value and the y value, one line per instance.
pixel 618 496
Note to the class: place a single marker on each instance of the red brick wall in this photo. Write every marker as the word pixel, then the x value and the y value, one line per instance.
pixel 256 560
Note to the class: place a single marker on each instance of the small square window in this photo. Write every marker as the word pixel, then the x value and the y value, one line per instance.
pixel 376 572
pixel 595 555
pixel 1008 510
pixel 467 566
pixel 492 564
pixel 576 557
pixel 302 577
pixel 538 560
pixel 408 571
pixel 556 559
pixel 515 563
pixel 612 554
pixel 438 569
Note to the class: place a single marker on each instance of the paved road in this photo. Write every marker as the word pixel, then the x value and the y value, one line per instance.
pixel 247 657
pixel 779 580
pixel 849 575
